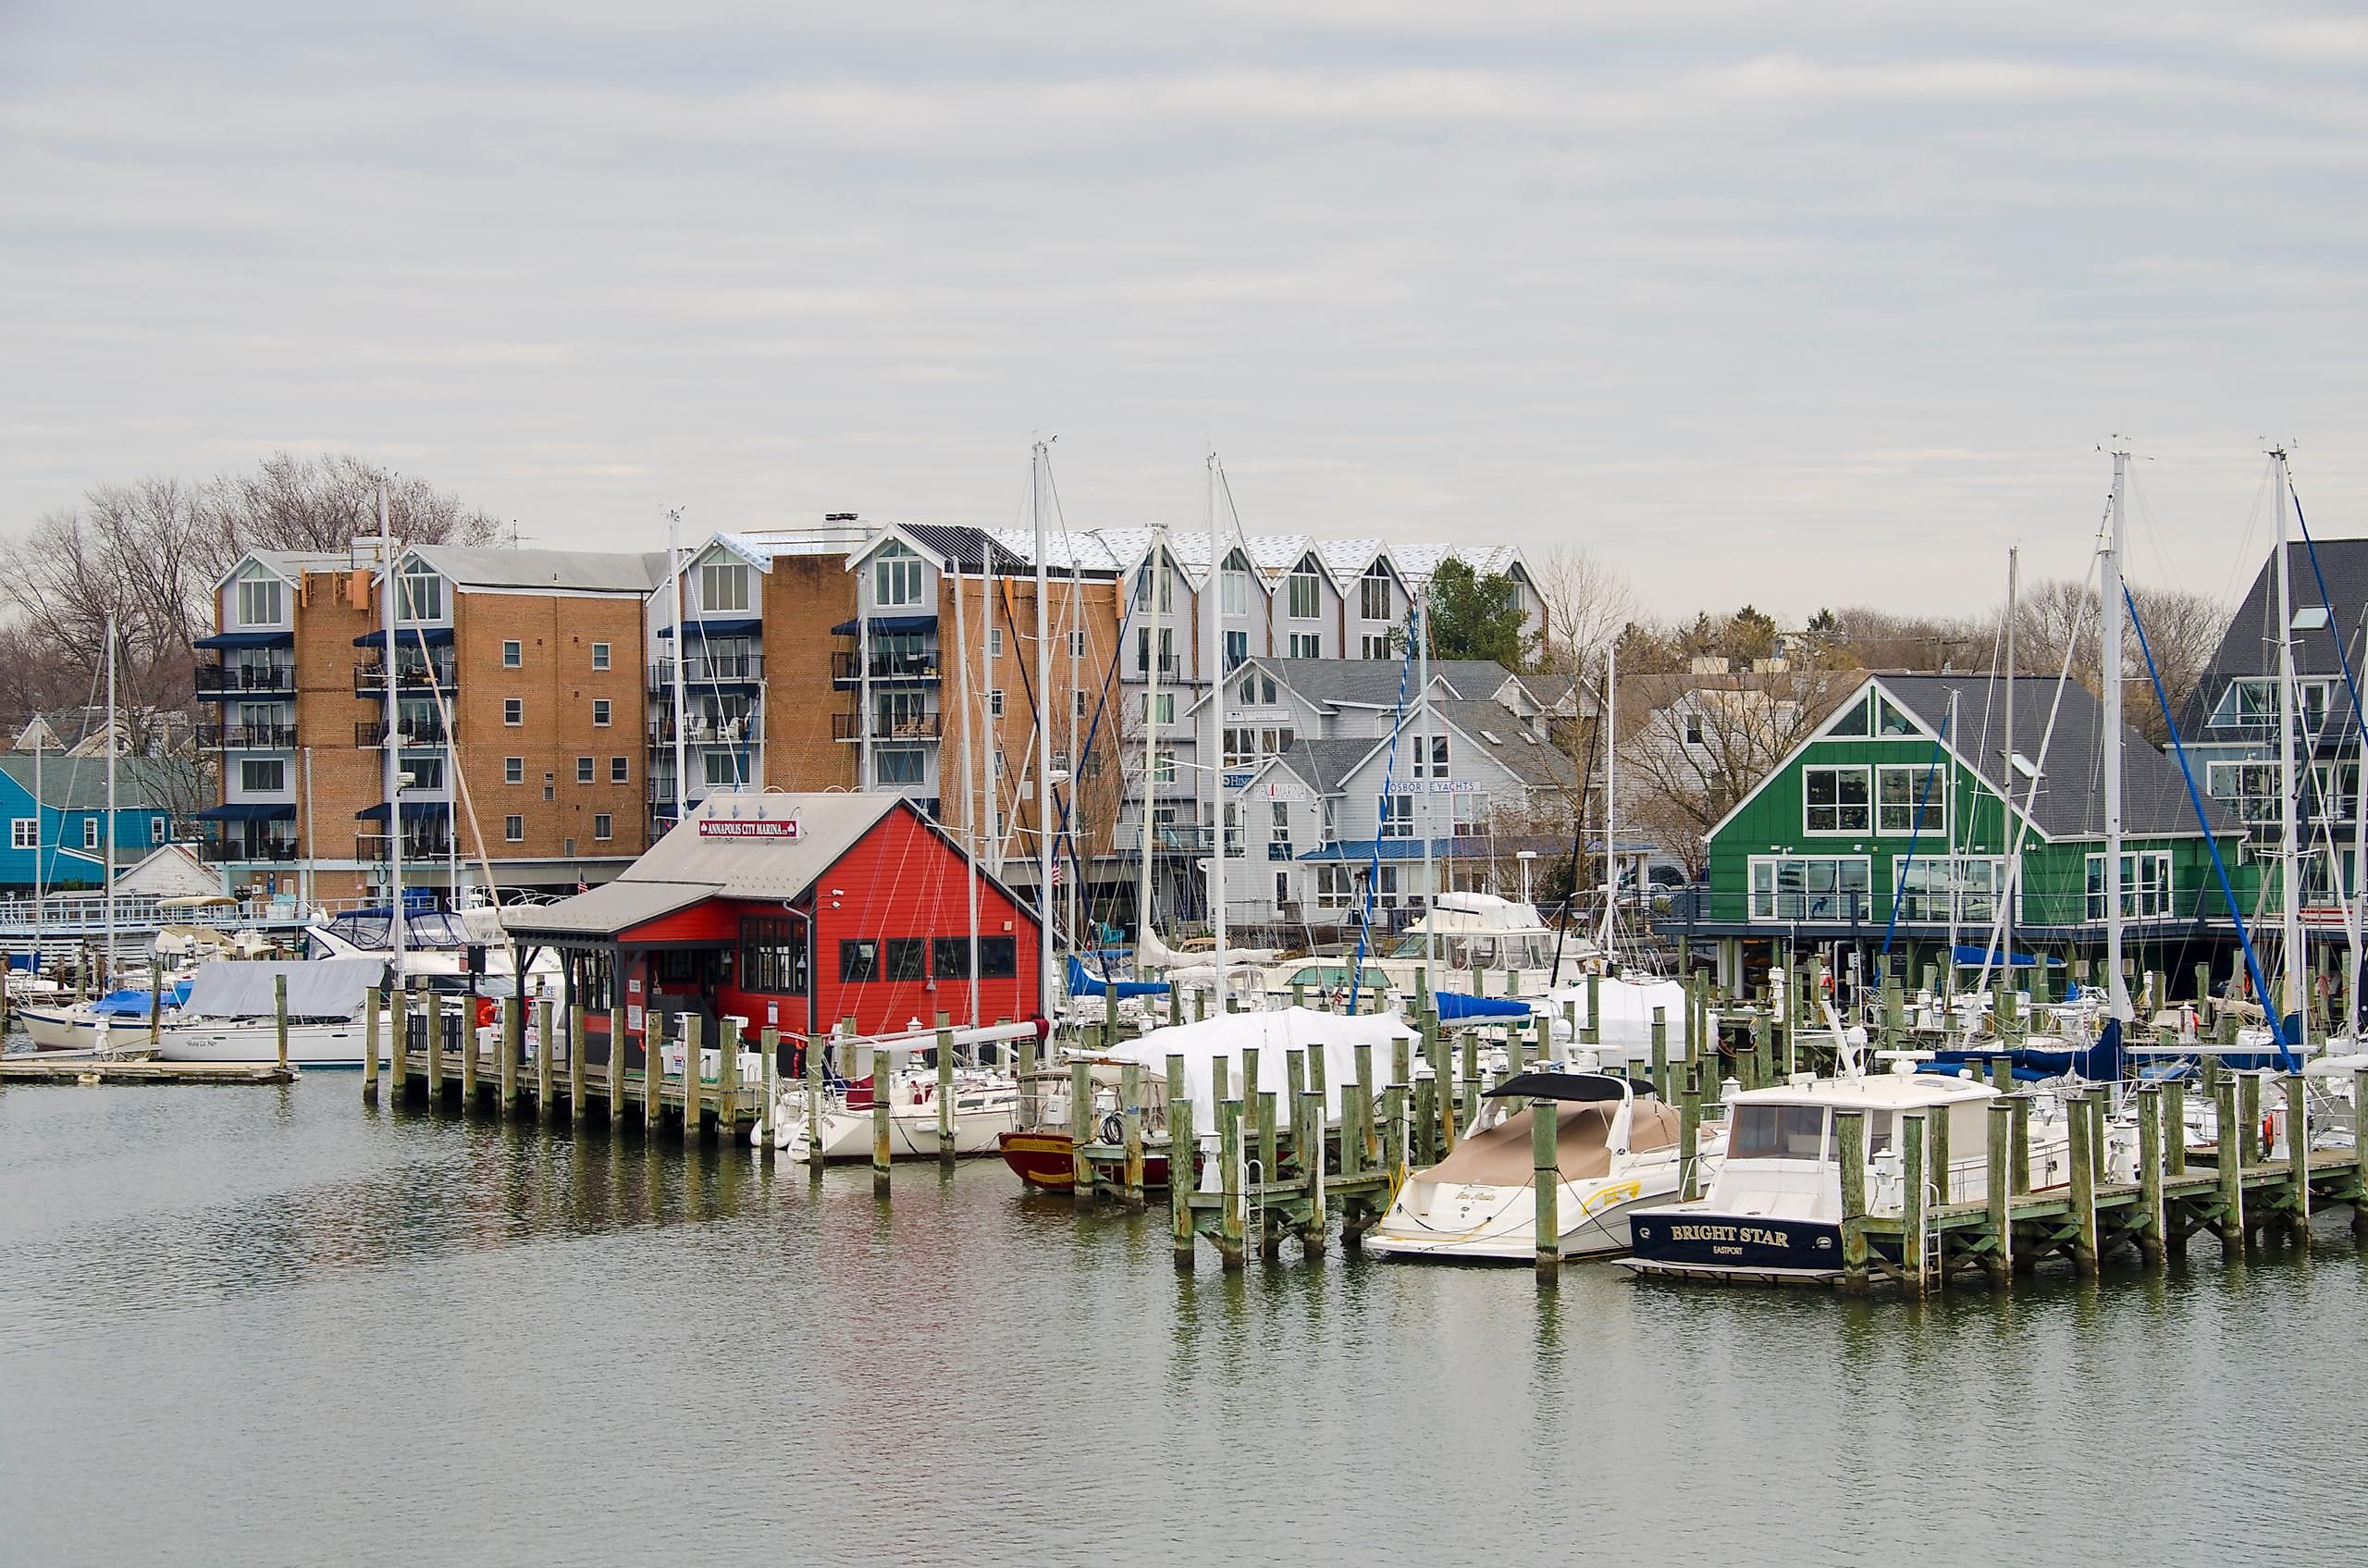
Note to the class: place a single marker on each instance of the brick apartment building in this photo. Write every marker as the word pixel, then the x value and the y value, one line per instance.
pixel 518 717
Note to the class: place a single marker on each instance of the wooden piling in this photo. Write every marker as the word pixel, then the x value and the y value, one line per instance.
pixel 1130 1119
pixel 2020 1110
pixel 1661 1055
pixel 429 1018
pixel 2230 1157
pixel 1689 1135
pixel 471 1063
pixel 2081 1124
pixel 1850 1143
pixel 2358 1154
pixel 576 1016
pixel 946 1093
pixel 545 1042
pixel 816 1050
pixel 2298 1156
pixel 883 1107
pixel 727 1076
pixel 370 1035
pixel 1546 1179
pixel 768 1112
pixel 1998 1192
pixel 653 1070
pixel 1231 1225
pixel 616 1067
pixel 1912 1200
pixel 2175 1127
pixel 1270 1238
pixel 1310 1116
pixel 2150 1172
pixel 399 1026
pixel 1591 1032
pixel 1080 1131
pixel 278 1015
pixel 1368 1147
pixel 1181 1139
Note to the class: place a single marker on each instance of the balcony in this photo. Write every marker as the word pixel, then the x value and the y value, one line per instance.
pixel 1127 839
pixel 240 851
pixel 429 731
pixel 707 729
pixel 847 669
pixel 416 847
pixel 246 737
pixel 246 680
pixel 710 669
pixel 412 675
pixel 913 727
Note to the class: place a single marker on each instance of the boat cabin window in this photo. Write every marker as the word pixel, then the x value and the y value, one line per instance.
pixel 1777 1132
pixel 1879 1132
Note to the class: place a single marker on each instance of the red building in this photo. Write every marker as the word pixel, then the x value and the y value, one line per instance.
pixel 792 910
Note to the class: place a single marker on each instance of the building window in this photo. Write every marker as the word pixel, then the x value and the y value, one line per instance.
pixel 722 769
pixel 514 711
pixel 1834 800
pixel 998 958
pixel 1430 761
pixel 1144 574
pixel 1257 690
pixel 262 775
pixel 1167 649
pixel 1331 829
pixel 1470 814
pixel 1372 594
pixel 1160 713
pixel 24 833
pixel 1306 645
pixel 89 832
pixel 2252 703
pixel 1336 887
pixel 1911 798
pixel 1163 765
pixel 772 956
pixel 513 769
pixel 1080 703
pixel 858 962
pixel 1928 888
pixel 1810 887
pixel 513 828
pixel 1282 888
pixel 423 596
pixel 259 601
pixel 604 826
pixel 896 576
pixel 1281 820
pixel 1307 599
pixel 905 957
pixel 994 702
pixel 897 765
pixel 723 585
pixel 600 656
pixel 1233 586
pixel 513 654
pixel 1237 648
pixel 994 642
pixel 1397 816
pixel 1076 645
pixel 2145 885
pixel 601 711
pixel 619 771
pixel 584 769
pixel 156 830
pixel 949 958
pixel 1694 729
pixel 1377 646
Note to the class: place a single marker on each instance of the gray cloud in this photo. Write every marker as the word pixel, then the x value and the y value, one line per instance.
pixel 1830 312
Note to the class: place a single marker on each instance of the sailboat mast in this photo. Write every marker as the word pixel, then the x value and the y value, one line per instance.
pixel 1423 756
pixel 2109 677
pixel 2290 866
pixel 1610 799
pixel 40 849
pixel 1154 578
pixel 1212 650
pixel 2352 906
pixel 111 771
pixel 1949 813
pixel 2006 777
pixel 1044 741
pixel 394 756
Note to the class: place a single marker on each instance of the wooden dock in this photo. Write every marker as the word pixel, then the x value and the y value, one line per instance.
pixel 104 1069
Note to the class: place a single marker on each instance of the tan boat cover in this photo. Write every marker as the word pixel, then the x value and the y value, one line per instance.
pixel 1500 1157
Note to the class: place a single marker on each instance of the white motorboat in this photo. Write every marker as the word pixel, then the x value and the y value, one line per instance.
pixel 1616 1153
pixel 986 1106
pixel 230 1014
pixel 1773 1212
pixel 1484 946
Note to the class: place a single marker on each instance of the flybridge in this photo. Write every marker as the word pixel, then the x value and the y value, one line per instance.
pixel 749 827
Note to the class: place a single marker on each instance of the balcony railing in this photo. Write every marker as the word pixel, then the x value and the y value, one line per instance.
pixel 710 669
pixel 246 737
pixel 846 669
pixel 920 726
pixel 412 732
pixel 1672 911
pixel 411 676
pixel 706 730
pixel 278 678
pixel 234 851
pixel 416 847
pixel 1127 839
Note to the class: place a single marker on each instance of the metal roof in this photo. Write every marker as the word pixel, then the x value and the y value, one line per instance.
pixel 610 908
pixel 581 569
pixel 79 784
pixel 2248 647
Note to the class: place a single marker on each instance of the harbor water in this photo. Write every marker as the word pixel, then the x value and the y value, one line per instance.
pixel 277 1326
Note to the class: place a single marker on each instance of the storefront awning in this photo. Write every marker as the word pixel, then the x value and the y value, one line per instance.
pixel 250 811
pixel 246 639
pixel 889 624
pixel 710 630
pixel 413 812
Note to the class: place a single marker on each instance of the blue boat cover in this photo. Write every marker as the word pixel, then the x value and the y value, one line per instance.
pixel 1456 1005
pixel 1082 984
pixel 135 1004
pixel 1974 957
pixel 2100 1063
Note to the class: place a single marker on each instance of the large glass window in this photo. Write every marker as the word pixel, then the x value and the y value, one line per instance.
pixel 897 765
pixel 1307 596
pixel 2145 885
pixel 723 585
pixel 1237 648
pixel 259 601
pixel 998 958
pixel 262 775
pixel 896 576
pixel 1810 887
pixel 949 958
pixel 1911 798
pixel 1372 594
pixel 906 957
pixel 858 962
pixel 1397 816
pixel 1834 799
pixel 772 956
pixel 1236 588
pixel 1929 885
pixel 1777 1132
pixel 423 596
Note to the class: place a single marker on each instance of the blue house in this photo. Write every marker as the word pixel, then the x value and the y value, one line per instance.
pixel 65 829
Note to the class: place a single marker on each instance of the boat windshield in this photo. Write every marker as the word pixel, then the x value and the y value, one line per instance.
pixel 1777 1132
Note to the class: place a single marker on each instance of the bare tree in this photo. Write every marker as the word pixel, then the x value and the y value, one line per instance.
pixel 1588 602
pixel 323 503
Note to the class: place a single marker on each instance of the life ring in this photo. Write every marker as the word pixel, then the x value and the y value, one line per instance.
pixel 485 1012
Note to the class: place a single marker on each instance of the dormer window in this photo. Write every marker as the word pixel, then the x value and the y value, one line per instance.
pixel 1307 597
pixel 1235 586
pixel 423 595
pixel 1373 601
pixel 896 576
pixel 259 601
pixel 723 587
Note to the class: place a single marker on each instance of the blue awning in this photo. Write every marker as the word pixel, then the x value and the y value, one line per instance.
pixel 710 630
pixel 413 812
pixel 408 636
pixel 889 624
pixel 1974 957
pixel 250 811
pixel 1391 849
pixel 247 639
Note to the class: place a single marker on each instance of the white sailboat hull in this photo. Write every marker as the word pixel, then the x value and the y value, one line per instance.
pixel 981 1119
pixel 309 1044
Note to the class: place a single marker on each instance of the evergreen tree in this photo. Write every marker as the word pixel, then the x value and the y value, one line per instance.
pixel 1476 617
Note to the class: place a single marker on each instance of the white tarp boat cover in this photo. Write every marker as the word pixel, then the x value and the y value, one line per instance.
pixel 1151 953
pixel 1481 911
pixel 323 988
pixel 1627 1022
pixel 1338 1035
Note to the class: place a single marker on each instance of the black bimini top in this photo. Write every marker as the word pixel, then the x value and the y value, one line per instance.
pixel 1582 1087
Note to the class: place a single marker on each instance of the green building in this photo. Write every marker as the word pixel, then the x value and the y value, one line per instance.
pixel 1890 825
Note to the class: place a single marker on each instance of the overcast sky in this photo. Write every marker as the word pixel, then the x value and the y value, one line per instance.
pixel 1830 312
